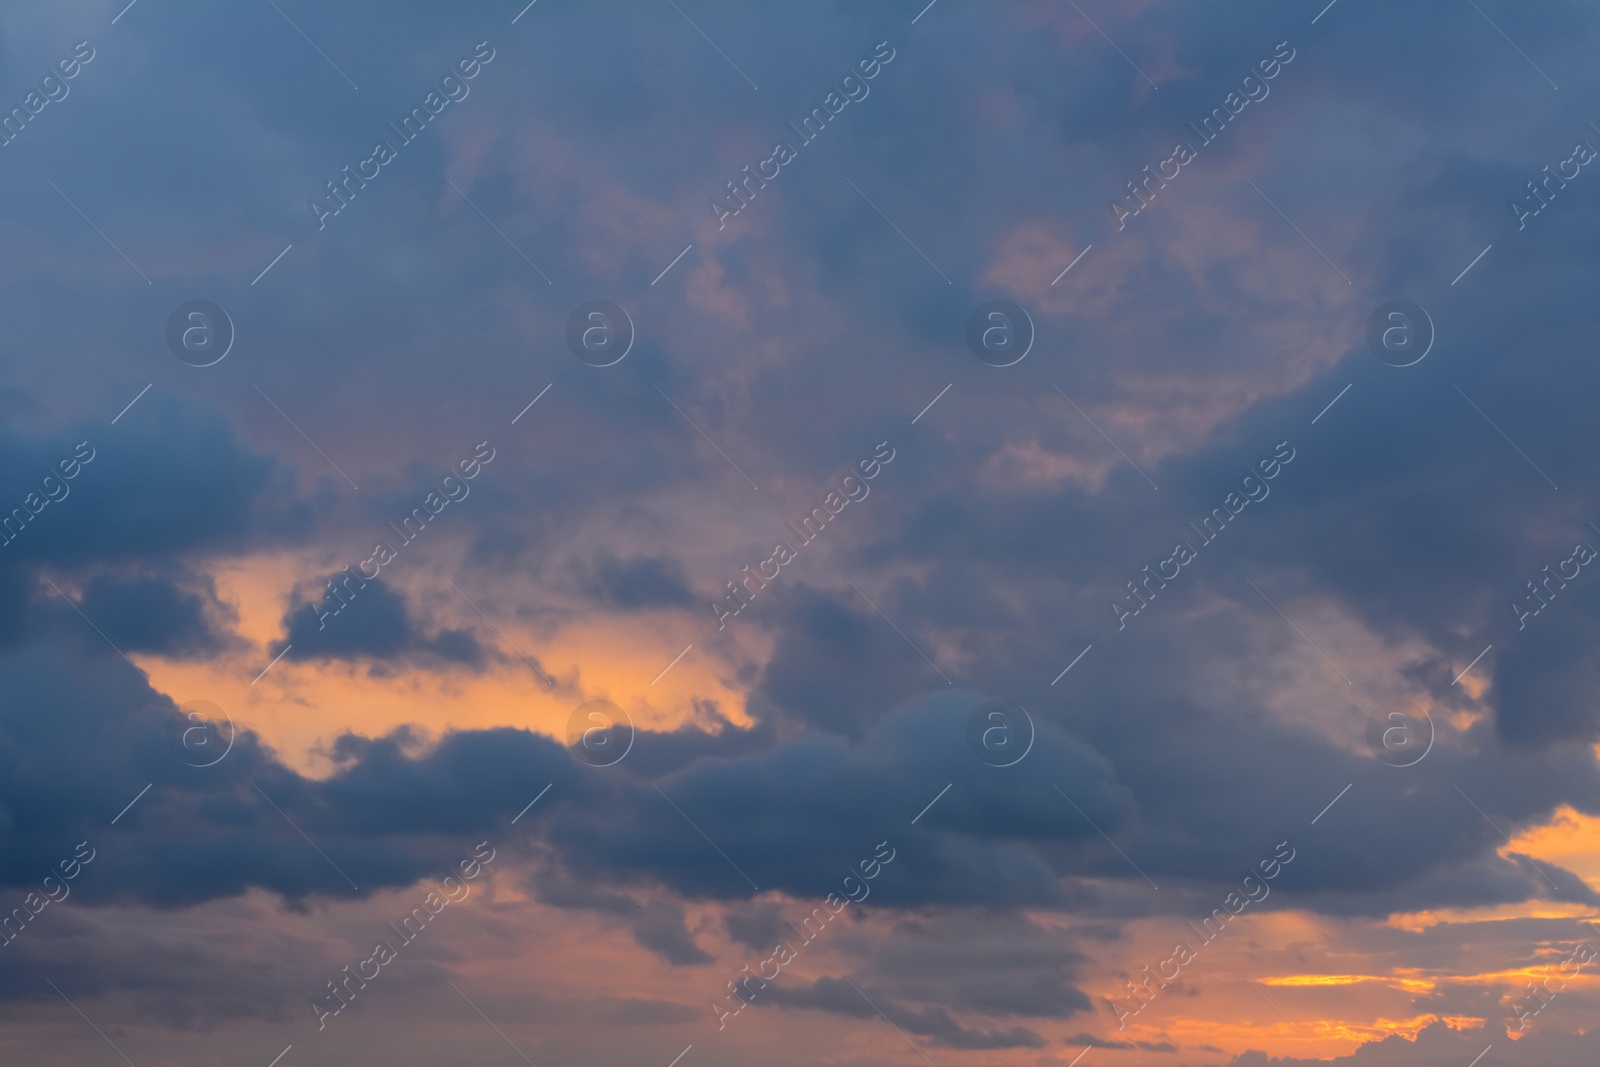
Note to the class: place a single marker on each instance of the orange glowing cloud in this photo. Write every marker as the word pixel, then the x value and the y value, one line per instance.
pixel 299 707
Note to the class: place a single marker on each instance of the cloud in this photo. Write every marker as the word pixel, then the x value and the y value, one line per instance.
pixel 758 925
pixel 834 667
pixel 162 615
pixel 392 811
pixel 177 481
pixel 146 506
pixel 1105 1042
pixel 369 620
pixel 837 995
pixel 639 582
pixel 1216 725
pixel 1439 1045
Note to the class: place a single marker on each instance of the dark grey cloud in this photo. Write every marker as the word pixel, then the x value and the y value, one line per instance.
pixel 836 667
pixel 639 582
pixel 809 809
pixel 368 620
pixel 170 616
pixel 757 926
pixel 175 480
pixel 1091 1041
pixel 131 514
pixel 935 1023
pixel 657 924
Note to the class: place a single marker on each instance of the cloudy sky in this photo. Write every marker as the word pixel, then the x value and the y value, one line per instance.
pixel 681 533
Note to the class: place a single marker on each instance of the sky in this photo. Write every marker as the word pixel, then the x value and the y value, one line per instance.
pixel 984 535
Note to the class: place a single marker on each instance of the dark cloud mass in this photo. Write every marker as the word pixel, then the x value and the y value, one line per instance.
pixel 353 618
pixel 157 614
pixel 772 515
pixel 641 582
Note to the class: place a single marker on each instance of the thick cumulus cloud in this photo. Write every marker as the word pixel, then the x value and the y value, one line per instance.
pixel 128 510
pixel 200 833
pixel 171 478
pixel 835 667
pixel 176 615
pixel 382 817
pixel 115 524
pixel 787 816
pixel 367 620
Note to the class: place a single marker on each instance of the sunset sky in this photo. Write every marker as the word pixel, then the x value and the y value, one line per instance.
pixel 684 534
